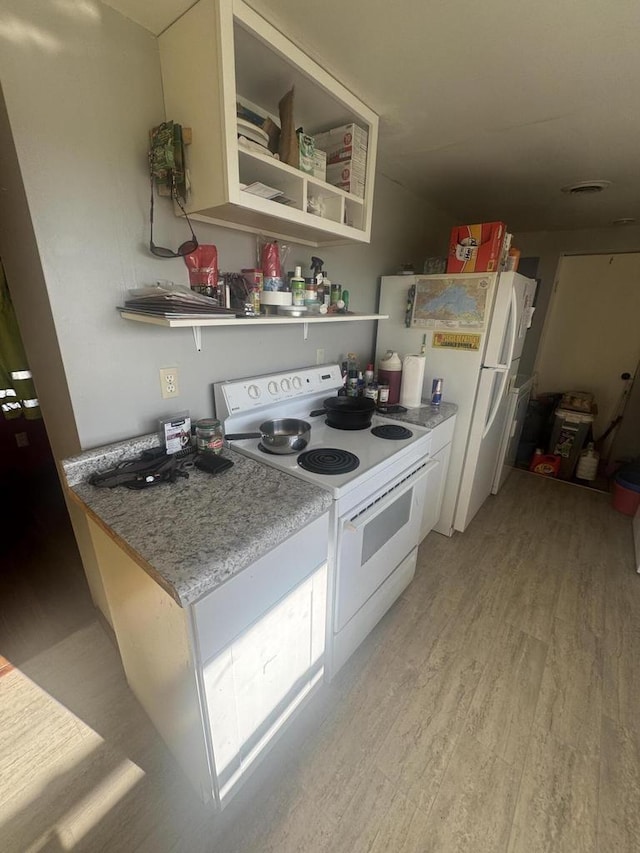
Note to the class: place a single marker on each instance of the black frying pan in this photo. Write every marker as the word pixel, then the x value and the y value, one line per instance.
pixel 347 412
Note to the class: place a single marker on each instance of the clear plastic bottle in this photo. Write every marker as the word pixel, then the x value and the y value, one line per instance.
pixel 588 464
pixel 326 289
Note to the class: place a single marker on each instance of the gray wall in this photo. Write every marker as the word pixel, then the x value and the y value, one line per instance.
pixel 82 87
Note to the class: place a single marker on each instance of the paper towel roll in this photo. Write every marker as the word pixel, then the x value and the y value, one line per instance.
pixel 412 379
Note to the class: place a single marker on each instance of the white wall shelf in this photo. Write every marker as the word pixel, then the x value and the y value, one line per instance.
pixel 221 50
pixel 275 320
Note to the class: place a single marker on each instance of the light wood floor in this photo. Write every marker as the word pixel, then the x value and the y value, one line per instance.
pixel 495 708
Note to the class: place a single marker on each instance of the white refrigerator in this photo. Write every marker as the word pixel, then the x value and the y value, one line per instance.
pixel 473 327
pixel 517 403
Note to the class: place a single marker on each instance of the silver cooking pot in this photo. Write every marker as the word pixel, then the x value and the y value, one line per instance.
pixel 283 435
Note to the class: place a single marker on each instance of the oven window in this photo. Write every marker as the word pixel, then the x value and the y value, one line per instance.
pixel 384 526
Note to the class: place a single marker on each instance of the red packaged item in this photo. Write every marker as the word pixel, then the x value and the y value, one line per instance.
pixel 545 463
pixel 476 248
pixel 203 269
pixel 254 276
pixel 271 267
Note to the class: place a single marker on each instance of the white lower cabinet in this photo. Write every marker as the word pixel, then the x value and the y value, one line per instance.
pixel 440 452
pixel 261 640
pixel 221 678
pixel 254 685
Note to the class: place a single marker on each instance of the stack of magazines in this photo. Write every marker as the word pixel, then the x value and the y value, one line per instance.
pixel 174 302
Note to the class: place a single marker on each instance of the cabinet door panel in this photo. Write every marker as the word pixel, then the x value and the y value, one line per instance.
pixel 254 685
pixel 435 491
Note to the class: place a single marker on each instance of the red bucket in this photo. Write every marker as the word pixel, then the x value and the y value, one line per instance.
pixel 625 496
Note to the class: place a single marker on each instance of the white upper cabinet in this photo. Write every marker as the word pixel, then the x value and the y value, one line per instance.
pixel 221 50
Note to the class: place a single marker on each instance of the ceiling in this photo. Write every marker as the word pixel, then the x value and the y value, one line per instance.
pixel 487 110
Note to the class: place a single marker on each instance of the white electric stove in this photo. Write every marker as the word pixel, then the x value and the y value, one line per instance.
pixel 378 504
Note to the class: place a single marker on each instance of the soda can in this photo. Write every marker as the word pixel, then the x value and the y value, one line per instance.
pixel 436 392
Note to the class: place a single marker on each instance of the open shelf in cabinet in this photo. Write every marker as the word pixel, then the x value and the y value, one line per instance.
pixel 220 51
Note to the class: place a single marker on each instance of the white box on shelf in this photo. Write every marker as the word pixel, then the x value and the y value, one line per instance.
pixel 320 165
pixel 348 142
pixel 347 178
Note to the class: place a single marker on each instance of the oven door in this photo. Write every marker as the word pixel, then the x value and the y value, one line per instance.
pixel 375 537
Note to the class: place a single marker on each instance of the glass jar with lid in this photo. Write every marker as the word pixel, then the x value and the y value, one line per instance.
pixel 209 438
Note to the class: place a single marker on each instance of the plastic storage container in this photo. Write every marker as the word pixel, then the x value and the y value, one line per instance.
pixel 569 433
pixel 626 491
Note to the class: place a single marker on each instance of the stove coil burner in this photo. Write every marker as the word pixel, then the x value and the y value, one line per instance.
pixel 395 432
pixel 328 460
pixel 348 426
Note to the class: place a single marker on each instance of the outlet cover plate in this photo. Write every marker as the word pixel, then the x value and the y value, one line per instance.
pixel 169 382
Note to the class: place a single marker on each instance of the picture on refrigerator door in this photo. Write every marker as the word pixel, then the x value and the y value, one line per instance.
pixel 456 340
pixel 458 303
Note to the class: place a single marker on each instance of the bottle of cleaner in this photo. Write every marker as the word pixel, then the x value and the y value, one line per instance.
pixel 297 287
pixel 588 465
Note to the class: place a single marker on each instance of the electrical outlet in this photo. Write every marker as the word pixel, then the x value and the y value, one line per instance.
pixel 319 356
pixel 22 439
pixel 169 382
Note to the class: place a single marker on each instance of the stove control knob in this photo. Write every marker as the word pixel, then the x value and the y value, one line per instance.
pixel 272 387
pixel 285 385
pixel 297 383
pixel 253 391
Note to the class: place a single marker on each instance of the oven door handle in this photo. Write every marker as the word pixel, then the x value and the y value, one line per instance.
pixel 381 504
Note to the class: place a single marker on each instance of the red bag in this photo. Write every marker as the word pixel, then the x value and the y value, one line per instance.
pixel 203 267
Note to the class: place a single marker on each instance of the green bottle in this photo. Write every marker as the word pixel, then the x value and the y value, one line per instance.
pixel 297 288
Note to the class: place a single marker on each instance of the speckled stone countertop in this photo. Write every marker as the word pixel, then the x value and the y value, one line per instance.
pixel 193 535
pixel 427 416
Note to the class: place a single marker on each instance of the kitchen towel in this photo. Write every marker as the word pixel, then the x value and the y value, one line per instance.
pixel 412 379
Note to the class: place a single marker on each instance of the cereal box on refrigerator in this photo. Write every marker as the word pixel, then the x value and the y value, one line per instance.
pixel 476 248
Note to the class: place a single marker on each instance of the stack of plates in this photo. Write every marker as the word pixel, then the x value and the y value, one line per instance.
pixel 252 132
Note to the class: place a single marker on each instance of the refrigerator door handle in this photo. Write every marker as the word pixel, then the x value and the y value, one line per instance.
pixel 497 400
pixel 511 333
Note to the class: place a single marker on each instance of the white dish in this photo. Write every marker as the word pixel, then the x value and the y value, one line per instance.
pixel 252 131
pixel 292 310
pixel 275 297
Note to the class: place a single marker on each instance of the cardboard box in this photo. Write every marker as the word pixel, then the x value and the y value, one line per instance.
pixel 476 248
pixel 320 165
pixel 342 155
pixel 306 153
pixel 348 178
pixel 347 142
